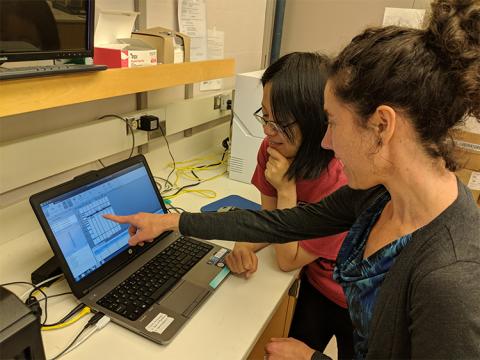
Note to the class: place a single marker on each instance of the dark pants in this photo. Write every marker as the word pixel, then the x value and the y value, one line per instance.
pixel 316 319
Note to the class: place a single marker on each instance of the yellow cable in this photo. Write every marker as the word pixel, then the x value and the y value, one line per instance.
pixel 216 176
pixel 197 162
pixel 36 291
pixel 203 192
pixel 210 194
pixel 201 166
pixel 185 172
pixel 180 173
pixel 209 157
pixel 198 168
pixel 86 310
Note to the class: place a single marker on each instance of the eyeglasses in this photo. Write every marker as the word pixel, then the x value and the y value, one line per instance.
pixel 273 125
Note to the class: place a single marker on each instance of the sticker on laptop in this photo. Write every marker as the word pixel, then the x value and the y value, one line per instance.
pixel 218 258
pixel 219 278
pixel 159 323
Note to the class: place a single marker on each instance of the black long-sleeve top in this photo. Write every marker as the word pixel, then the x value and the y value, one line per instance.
pixel 429 304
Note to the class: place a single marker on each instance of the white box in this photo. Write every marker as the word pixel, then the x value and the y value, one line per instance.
pixel 113 46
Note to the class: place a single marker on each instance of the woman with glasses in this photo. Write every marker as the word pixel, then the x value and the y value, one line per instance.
pixel 293 169
pixel 410 264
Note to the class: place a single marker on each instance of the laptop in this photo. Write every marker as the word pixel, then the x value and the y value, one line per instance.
pixel 152 290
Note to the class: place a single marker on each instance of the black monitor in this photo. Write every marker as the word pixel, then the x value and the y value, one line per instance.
pixel 46 29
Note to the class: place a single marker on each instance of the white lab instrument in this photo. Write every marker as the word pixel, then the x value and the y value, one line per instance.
pixel 247 133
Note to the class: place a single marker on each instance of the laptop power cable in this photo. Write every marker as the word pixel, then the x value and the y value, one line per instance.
pixel 98 321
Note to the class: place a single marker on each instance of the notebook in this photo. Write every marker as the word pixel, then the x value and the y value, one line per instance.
pixel 152 290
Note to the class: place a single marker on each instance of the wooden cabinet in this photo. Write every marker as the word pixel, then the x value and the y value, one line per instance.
pixel 278 326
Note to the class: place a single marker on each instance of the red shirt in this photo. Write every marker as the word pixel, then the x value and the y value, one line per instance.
pixel 319 272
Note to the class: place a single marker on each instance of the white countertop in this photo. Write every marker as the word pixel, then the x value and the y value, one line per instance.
pixel 225 327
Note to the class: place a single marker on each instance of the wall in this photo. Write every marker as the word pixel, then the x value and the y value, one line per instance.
pixel 328 25
pixel 241 20
pixel 244 43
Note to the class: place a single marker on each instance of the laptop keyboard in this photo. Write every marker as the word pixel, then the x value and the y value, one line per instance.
pixel 148 284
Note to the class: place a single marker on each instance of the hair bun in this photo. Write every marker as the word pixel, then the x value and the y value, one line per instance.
pixel 454 29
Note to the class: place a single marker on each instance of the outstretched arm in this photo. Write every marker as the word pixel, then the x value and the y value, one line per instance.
pixel 333 215
pixel 145 227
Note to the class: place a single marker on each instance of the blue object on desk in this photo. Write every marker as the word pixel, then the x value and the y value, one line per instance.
pixel 232 201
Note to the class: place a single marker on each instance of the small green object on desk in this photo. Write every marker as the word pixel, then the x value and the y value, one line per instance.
pixel 167 201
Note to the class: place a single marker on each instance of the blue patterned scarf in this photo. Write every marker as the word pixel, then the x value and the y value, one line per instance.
pixel 360 278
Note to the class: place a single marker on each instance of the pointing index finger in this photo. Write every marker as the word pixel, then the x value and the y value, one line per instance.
pixel 117 218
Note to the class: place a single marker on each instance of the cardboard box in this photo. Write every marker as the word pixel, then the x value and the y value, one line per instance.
pixel 113 46
pixel 468 149
pixel 172 47
pixel 472 180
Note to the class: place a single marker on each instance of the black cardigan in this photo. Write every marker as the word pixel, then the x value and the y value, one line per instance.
pixel 429 303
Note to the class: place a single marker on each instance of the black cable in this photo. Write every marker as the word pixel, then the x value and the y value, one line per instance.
pixel 162 186
pixel 211 165
pixel 36 288
pixel 92 321
pixel 184 187
pixel 193 173
pixel 223 155
pixel 129 128
pixel 199 180
pixel 165 180
pixel 159 186
pixel 176 208
pixel 57 295
pixel 173 160
pixel 95 318
pixel 46 297
pixel 72 312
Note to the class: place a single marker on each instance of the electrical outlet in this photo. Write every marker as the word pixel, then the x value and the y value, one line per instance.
pixel 217 102
pixel 131 123
pixel 225 103
pixel 220 102
pixel 133 118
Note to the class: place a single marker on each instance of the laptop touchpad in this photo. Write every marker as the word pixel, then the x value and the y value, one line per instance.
pixel 183 296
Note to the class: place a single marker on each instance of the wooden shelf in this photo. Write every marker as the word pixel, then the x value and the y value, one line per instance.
pixel 31 94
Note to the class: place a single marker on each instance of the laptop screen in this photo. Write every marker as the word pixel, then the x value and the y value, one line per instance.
pixel 86 239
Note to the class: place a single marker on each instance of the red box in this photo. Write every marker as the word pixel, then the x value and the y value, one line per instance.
pixel 113 45
pixel 124 57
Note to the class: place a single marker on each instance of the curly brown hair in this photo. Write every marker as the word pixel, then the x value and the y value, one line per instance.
pixel 432 75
